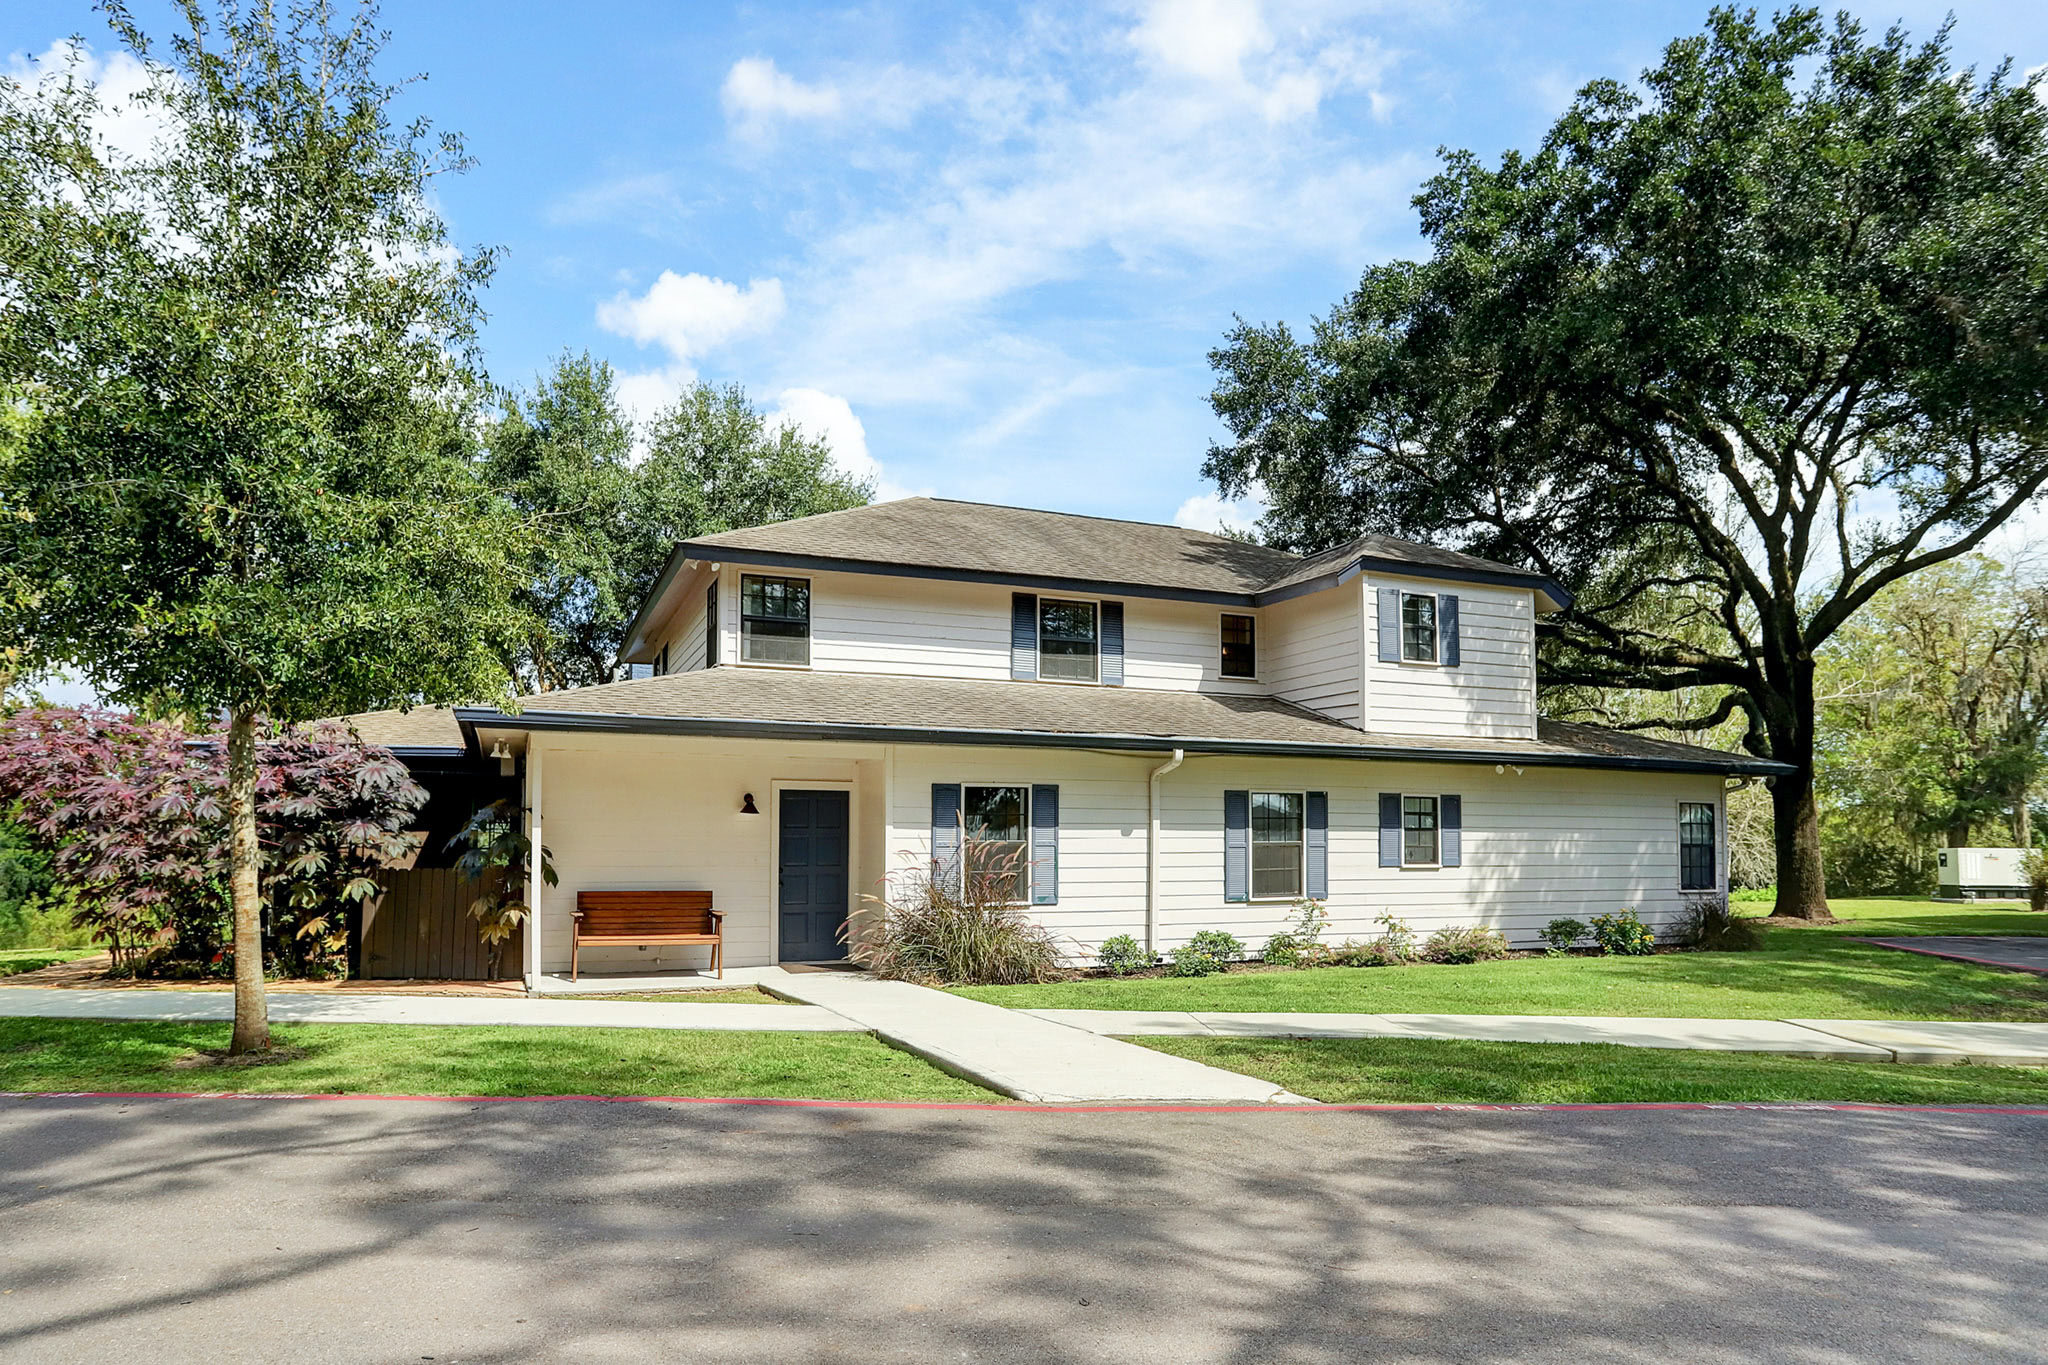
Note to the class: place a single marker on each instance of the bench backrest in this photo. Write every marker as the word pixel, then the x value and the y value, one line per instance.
pixel 618 913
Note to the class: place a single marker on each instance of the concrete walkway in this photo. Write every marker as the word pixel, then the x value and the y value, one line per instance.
pixel 1021 1053
pixel 1867 1040
pixel 31 1002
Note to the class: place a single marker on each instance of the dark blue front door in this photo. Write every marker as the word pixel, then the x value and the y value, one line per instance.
pixel 812 877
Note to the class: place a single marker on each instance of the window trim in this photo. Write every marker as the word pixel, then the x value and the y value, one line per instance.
pixel 1094 604
pixel 711 640
pixel 1714 839
pixel 1030 866
pixel 1436 803
pixel 810 601
pixel 1436 629
pixel 1251 844
pixel 1221 617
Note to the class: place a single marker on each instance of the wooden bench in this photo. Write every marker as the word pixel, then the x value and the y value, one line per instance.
pixel 645 918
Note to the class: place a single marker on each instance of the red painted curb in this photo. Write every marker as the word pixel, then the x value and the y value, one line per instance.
pixel 1954 957
pixel 1705 1106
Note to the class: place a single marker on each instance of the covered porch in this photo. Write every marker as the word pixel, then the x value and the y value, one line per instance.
pixel 786 837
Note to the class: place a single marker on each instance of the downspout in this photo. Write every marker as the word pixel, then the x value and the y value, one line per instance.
pixel 1152 849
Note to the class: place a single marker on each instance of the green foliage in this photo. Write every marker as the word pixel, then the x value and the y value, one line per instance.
pixel 1761 327
pixel 2034 867
pixel 1300 943
pixel 1755 895
pixel 1208 952
pixel 564 453
pixel 1561 934
pixel 496 852
pixel 936 926
pixel 1457 944
pixel 1121 955
pixel 1623 935
pixel 34 911
pixel 1709 926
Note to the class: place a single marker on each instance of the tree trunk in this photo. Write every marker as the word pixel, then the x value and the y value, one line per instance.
pixel 252 1014
pixel 1802 882
pixel 2022 822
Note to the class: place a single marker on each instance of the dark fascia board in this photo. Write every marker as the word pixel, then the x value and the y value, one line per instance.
pixel 1499 577
pixel 669 569
pixel 472 718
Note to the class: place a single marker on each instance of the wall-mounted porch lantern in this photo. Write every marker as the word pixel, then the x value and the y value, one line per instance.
pixel 504 757
pixel 747 806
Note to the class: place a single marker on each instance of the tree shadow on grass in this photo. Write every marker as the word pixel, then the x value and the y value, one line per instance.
pixel 576 1230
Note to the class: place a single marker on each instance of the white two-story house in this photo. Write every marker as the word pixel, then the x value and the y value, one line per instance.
pixel 1175 731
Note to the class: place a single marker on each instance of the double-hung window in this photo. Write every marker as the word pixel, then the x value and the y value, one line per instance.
pixel 1418 627
pixel 1068 646
pixel 711 625
pixel 775 620
pixel 1240 647
pixel 1421 842
pixel 1696 846
pixel 1276 845
pixel 997 824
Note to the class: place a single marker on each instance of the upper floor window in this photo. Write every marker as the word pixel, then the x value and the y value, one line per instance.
pixel 711 625
pixel 1696 846
pixel 996 822
pixel 1240 647
pixel 1418 627
pixel 1420 842
pixel 775 620
pixel 1067 643
pixel 1277 845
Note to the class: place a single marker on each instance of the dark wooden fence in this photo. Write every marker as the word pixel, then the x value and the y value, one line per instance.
pixel 420 928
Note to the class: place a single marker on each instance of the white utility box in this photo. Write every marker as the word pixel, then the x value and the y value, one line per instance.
pixel 1968 874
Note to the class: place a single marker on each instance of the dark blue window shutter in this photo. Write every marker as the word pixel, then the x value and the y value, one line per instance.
pixel 1024 635
pixel 1447 628
pixel 1390 829
pixel 1113 644
pixel 1318 850
pixel 1237 846
pixel 1390 625
pixel 945 828
pixel 1045 845
pixel 1450 821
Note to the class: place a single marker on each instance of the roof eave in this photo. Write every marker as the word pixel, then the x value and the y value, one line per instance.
pixel 474 718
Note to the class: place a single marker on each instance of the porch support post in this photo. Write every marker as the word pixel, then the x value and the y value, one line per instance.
pixel 536 888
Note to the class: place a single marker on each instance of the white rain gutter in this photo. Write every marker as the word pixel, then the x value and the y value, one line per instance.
pixel 1152 848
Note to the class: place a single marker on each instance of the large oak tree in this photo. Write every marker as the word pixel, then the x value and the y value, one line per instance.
pixel 1728 353
pixel 237 475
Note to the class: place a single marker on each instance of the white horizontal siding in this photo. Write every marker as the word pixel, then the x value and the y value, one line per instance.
pixel 1310 651
pixel 1536 846
pixel 1492 691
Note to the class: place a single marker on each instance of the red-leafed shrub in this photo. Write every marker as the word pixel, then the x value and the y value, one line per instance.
pixel 132 813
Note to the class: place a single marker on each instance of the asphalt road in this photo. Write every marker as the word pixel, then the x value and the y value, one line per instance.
pixel 311 1230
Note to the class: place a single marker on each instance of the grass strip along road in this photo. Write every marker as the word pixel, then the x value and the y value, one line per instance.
pixel 1802 973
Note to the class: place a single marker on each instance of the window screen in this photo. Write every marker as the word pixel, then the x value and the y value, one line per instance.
pixel 1419 846
pixel 1066 640
pixel 775 620
pixel 1240 647
pixel 1696 846
pixel 1276 845
pixel 997 824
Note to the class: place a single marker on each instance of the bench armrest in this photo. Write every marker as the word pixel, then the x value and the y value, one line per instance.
pixel 716 914
pixel 575 914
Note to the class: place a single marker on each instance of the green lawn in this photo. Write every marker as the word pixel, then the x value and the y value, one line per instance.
pixel 1416 1071
pixel 1801 973
pixel 14 960
pixel 710 995
pixel 71 1054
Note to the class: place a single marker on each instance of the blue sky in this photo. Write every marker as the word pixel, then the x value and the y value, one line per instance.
pixel 984 250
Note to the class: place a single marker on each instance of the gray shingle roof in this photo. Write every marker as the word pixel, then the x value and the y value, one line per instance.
pixel 801 705
pixel 1023 543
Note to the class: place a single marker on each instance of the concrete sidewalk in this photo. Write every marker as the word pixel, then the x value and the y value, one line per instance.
pixel 33 1002
pixel 1868 1040
pixel 1021 1053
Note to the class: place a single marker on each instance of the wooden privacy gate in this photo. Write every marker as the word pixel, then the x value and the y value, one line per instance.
pixel 420 928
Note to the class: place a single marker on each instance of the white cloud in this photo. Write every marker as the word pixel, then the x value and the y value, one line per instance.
pixel 1213 511
pixel 691 314
pixel 126 125
pixel 756 95
pixel 1206 38
pixel 827 415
